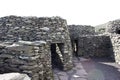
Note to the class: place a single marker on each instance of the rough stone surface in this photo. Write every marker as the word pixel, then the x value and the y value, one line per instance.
pixel 112 29
pixel 35 45
pixel 78 30
pixel 94 46
pixel 115 39
pixel 32 59
pixel 52 30
pixel 113 26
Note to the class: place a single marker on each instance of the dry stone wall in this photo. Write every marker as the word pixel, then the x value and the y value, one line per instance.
pixel 94 46
pixel 89 43
pixel 115 38
pixel 78 30
pixel 113 30
pixel 113 26
pixel 52 30
pixel 32 58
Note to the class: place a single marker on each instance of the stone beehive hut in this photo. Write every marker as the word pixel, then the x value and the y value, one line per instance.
pixel 88 43
pixel 113 30
pixel 51 30
pixel 77 31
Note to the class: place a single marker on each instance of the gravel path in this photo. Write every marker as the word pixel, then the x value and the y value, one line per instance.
pixel 77 73
pixel 102 69
pixel 90 69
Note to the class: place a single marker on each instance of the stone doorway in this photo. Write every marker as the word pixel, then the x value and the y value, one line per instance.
pixel 118 31
pixel 57 50
pixel 75 47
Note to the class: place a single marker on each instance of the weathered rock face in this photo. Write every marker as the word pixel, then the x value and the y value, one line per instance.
pixel 51 30
pixel 94 46
pixel 32 58
pixel 78 30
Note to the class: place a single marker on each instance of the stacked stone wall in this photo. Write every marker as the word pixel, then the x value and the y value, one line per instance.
pixel 78 30
pixel 115 38
pixel 32 59
pixel 52 30
pixel 113 30
pixel 113 27
pixel 94 46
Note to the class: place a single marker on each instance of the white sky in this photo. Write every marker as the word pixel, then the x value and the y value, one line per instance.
pixel 86 12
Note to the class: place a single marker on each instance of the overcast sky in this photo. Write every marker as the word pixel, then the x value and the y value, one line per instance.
pixel 84 12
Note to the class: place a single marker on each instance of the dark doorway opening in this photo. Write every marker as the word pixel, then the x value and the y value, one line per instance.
pixel 56 61
pixel 118 31
pixel 75 47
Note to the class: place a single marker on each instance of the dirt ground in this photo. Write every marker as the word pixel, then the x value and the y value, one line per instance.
pixel 90 69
